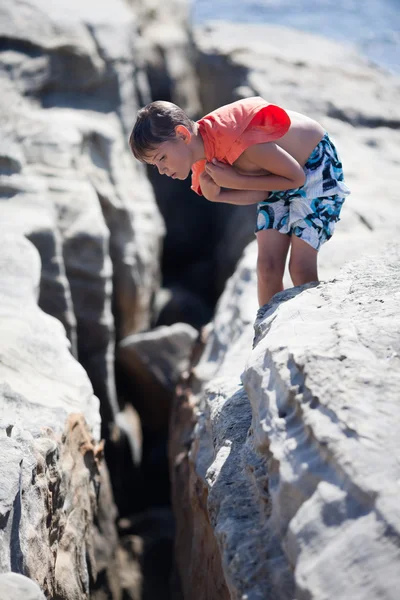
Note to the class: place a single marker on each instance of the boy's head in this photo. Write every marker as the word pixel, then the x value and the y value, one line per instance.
pixel 161 137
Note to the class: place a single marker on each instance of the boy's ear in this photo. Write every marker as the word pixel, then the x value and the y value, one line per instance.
pixel 183 133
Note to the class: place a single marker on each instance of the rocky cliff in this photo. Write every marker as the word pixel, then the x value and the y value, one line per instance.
pixel 283 439
pixel 52 505
pixel 286 458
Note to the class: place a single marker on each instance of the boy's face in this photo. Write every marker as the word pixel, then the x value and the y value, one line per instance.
pixel 171 158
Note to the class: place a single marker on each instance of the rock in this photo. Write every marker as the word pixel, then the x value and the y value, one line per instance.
pixel 331 426
pixel 18 587
pixel 166 52
pixel 51 471
pixel 287 478
pixel 306 61
pixel 68 181
pixel 28 196
pixel 150 365
pixel 164 351
pixel 72 79
pixel 324 80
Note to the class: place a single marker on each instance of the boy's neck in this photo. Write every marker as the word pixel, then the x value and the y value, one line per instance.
pixel 197 146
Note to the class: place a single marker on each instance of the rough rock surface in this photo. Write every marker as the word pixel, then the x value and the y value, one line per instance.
pixel 289 476
pixel 49 435
pixel 357 103
pixel 67 180
pixel 166 53
pixel 326 404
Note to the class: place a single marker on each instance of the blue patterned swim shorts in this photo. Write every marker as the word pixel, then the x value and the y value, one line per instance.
pixel 310 211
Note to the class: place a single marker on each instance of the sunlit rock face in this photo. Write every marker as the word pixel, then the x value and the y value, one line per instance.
pixel 68 181
pixel 288 473
pixel 51 467
pixel 322 381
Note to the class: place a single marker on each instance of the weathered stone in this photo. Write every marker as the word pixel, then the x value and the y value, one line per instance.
pixel 67 176
pixel 164 351
pixel 49 434
pixel 329 400
pixel 250 58
pixel 25 208
pixel 287 478
pixel 191 448
pixel 166 52
pixel 17 587
pixel 72 80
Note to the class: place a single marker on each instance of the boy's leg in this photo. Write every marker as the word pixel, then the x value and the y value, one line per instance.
pixel 272 251
pixel 303 262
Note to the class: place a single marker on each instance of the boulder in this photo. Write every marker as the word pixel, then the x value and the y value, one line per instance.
pixel 151 364
pixel 288 477
pixel 164 351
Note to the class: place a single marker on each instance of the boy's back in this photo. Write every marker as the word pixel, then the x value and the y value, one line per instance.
pixel 299 141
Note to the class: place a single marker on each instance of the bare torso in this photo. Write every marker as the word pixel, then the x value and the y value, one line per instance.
pixel 303 135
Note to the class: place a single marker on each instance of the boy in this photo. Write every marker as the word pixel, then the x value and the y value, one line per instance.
pixel 251 152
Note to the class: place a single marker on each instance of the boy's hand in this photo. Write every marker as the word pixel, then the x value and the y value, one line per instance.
pixel 209 188
pixel 223 175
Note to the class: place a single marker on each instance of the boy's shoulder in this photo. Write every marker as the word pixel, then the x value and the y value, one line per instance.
pixel 223 129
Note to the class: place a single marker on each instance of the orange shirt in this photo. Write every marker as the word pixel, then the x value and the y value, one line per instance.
pixel 229 130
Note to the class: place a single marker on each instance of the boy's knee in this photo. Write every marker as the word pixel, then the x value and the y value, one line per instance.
pixel 269 267
pixel 301 272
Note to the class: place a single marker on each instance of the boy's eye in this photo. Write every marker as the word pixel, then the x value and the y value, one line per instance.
pixel 162 158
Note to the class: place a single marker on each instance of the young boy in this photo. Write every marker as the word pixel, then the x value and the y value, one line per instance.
pixel 251 152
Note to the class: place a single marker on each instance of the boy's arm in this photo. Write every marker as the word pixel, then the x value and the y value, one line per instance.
pixel 285 172
pixel 211 191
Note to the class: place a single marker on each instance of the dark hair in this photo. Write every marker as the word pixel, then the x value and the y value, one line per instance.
pixel 155 123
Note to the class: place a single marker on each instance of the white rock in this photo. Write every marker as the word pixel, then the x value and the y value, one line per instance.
pixel 294 456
